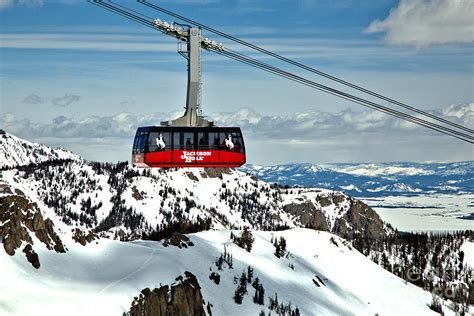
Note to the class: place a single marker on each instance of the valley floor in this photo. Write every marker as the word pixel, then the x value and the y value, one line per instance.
pixel 423 213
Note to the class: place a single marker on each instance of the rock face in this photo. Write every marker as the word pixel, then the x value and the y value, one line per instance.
pixel 359 219
pixel 349 216
pixel 19 218
pixel 185 299
pixel 31 256
pixel 308 215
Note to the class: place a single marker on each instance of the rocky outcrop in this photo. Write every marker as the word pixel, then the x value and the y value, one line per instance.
pixel 138 195
pixel 215 172
pixel 31 256
pixel 359 219
pixel 179 299
pixel 191 176
pixel 19 218
pixel 178 240
pixel 349 216
pixel 83 238
pixel 308 215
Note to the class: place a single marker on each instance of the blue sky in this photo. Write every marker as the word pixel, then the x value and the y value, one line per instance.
pixel 77 76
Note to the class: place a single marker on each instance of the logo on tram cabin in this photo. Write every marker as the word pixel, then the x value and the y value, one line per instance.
pixel 192 156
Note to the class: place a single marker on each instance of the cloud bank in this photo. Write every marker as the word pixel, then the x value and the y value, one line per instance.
pixel 308 136
pixel 426 22
pixel 299 126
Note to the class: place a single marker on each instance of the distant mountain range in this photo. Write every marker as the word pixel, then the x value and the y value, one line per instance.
pixel 377 179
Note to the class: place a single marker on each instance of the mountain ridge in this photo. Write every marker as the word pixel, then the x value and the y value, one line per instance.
pixel 15 152
pixel 372 180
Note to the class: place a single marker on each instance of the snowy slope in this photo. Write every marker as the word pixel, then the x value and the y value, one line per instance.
pixel 96 280
pixel 16 152
pixel 468 249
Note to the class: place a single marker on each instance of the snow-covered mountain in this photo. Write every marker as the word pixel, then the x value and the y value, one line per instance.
pixel 16 152
pixel 91 229
pixel 136 203
pixel 115 198
pixel 321 275
pixel 374 180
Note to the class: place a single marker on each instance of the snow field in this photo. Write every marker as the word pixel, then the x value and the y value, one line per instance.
pixel 102 278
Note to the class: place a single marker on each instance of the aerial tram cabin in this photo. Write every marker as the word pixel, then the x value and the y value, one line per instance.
pixel 191 140
pixel 166 147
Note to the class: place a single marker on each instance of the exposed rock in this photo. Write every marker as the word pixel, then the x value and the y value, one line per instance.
pixel 138 195
pixel 192 176
pixel 361 219
pixel 338 198
pixel 324 200
pixel 31 256
pixel 178 240
pixel 308 215
pixel 151 302
pixel 355 217
pixel 185 299
pixel 18 218
pixel 5 189
pixel 2 132
pixel 82 238
pixel 215 172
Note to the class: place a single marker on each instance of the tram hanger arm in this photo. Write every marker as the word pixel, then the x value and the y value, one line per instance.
pixel 170 29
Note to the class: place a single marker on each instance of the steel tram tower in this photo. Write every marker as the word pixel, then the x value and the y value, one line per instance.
pixel 194 41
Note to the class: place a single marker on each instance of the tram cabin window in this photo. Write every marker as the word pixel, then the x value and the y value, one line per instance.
pixel 232 141
pixel 184 140
pixel 140 142
pixel 215 140
pixel 203 140
pixel 159 141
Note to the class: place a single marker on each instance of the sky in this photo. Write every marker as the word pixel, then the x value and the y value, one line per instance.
pixel 76 76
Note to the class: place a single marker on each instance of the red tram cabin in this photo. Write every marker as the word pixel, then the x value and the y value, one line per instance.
pixel 170 147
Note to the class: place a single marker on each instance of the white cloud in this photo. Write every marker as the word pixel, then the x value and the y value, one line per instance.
pixel 297 127
pixel 309 136
pixel 425 22
pixel 308 124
